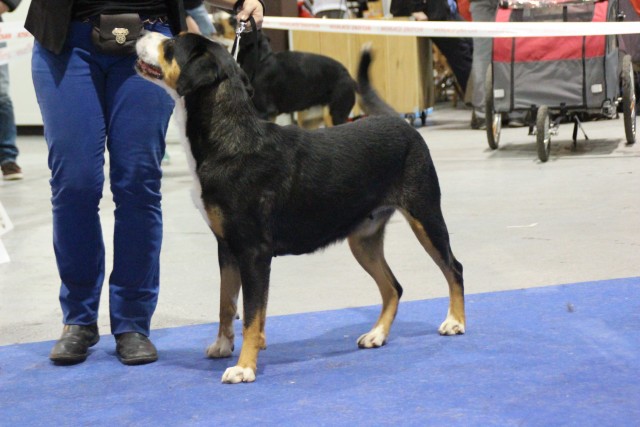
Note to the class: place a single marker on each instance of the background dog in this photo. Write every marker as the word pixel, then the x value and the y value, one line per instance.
pixel 268 190
pixel 286 82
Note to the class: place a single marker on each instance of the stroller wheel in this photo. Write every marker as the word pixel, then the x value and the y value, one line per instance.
pixel 493 119
pixel 628 100
pixel 543 135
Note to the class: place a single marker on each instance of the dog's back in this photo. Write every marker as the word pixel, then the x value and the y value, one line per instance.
pixel 309 79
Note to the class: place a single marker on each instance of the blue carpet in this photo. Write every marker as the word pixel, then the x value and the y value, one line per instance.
pixel 554 356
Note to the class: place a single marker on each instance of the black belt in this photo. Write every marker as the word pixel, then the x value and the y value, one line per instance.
pixel 95 20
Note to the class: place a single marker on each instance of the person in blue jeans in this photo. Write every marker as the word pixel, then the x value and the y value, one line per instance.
pixel 93 102
pixel 196 10
pixel 8 148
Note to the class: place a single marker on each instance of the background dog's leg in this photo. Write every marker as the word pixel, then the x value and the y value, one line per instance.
pixel 229 289
pixel 326 117
pixel 341 104
pixel 300 115
pixel 254 270
pixel 432 233
pixel 368 250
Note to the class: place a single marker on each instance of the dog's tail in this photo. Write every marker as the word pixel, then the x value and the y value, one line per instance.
pixel 369 100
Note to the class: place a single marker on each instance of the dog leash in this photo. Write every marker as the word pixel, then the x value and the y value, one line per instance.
pixel 242 25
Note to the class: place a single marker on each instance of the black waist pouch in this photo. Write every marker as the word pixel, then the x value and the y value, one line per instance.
pixel 117 34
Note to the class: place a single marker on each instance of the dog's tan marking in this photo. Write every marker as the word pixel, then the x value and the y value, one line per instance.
pixel 170 70
pixel 368 251
pixel 455 320
pixel 216 220
pixel 253 341
pixel 229 289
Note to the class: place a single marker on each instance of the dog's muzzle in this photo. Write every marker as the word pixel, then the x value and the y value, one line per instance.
pixel 148 70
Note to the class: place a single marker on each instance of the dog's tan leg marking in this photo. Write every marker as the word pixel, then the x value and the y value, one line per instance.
pixel 229 289
pixel 300 119
pixel 326 117
pixel 253 341
pixel 455 320
pixel 368 250
pixel 214 215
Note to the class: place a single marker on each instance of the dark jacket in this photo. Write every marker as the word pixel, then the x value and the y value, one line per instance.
pixel 11 4
pixel 48 21
pixel 436 10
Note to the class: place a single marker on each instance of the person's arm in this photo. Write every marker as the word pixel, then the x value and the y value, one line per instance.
pixel 8 5
pixel 244 9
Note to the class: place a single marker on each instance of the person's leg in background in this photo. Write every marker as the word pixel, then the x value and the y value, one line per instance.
pixel 481 11
pixel 458 52
pixel 8 148
pixel 202 18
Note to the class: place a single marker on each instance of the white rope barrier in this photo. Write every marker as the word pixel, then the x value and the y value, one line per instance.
pixel 450 28
pixel 16 42
pixel 10 31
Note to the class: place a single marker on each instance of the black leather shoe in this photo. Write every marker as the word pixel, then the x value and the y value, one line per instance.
pixel 73 345
pixel 134 348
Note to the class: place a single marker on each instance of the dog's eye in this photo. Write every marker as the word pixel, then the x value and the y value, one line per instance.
pixel 169 47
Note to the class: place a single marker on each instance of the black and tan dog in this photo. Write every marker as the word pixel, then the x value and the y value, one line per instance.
pixel 268 190
pixel 288 82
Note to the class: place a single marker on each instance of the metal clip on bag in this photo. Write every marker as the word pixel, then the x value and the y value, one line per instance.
pixel 117 34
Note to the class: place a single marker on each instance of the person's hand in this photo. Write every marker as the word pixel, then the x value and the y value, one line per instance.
pixel 4 8
pixel 420 16
pixel 251 8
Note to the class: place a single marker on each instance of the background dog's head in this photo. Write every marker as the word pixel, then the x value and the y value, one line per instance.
pixel 186 63
pixel 253 50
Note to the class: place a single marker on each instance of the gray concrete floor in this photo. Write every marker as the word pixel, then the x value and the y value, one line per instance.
pixel 514 223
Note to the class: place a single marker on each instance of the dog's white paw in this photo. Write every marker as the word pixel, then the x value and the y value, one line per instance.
pixel 223 347
pixel 372 339
pixel 238 374
pixel 451 326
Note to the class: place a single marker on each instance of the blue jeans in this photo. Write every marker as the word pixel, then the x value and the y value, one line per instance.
pixel 201 16
pixel 91 101
pixel 8 148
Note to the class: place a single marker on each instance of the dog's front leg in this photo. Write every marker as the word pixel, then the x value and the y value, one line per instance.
pixel 255 267
pixel 229 290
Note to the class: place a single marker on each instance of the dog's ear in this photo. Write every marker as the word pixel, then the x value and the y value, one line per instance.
pixel 198 70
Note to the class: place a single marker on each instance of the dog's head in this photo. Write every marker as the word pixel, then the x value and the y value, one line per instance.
pixel 185 63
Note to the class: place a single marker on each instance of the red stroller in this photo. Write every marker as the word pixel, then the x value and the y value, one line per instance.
pixel 558 79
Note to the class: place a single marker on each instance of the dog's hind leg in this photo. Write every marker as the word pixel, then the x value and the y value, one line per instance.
pixel 366 244
pixel 229 289
pixel 431 231
pixel 255 266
